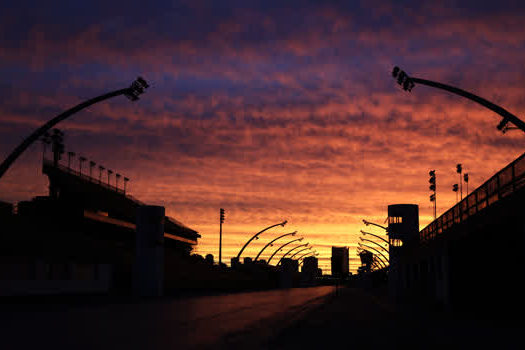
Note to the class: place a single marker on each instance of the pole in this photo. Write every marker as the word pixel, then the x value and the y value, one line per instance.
pixel 220 243
pixel 507 116
pixel 257 234
pixel 131 92
pixel 271 243
pixel 221 220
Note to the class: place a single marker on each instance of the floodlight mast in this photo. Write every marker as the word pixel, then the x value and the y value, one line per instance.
pixel 408 84
pixel 132 92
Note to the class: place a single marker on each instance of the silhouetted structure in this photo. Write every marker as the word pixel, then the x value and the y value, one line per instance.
pixel 340 261
pixel 453 260
pixel 81 238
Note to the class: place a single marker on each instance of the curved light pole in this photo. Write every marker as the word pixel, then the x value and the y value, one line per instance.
pixel 364 245
pixel 257 236
pixel 281 247
pixel 373 223
pixel 371 234
pixel 409 82
pixel 379 245
pixel 132 92
pixel 302 250
pixel 291 250
pixel 271 243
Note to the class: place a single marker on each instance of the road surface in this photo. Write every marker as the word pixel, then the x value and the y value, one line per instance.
pixel 198 322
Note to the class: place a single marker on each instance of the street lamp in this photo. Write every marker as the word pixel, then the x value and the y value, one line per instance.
pixel 291 250
pixel 371 234
pixel 379 245
pixel 302 250
pixel 373 223
pixel 271 243
pixel 281 247
pixel 256 236
pixel 132 92
pixel 409 82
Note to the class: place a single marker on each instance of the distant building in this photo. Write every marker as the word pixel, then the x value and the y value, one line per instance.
pixel 340 261
pixel 310 265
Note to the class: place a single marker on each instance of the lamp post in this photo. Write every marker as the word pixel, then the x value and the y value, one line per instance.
pixel 364 245
pixel 100 170
pixel 371 234
pixel 81 160
pixel 302 250
pixel 132 92
pixel 257 235
pixel 271 243
pixel 282 246
pixel 291 250
pixel 380 246
pixel 91 165
pixel 408 83
pixel 69 155
pixel 373 223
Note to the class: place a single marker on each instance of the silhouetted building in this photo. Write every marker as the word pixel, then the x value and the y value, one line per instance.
pixel 403 232
pixel 310 265
pixel 367 259
pixel 82 237
pixel 340 261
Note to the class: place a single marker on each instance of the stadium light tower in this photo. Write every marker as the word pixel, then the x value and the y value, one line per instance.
pixel 132 92
pixel 432 187
pixel 408 83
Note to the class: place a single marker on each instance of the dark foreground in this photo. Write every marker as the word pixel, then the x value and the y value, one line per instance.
pixel 307 318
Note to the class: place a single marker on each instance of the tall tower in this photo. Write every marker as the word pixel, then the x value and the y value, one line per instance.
pixel 403 232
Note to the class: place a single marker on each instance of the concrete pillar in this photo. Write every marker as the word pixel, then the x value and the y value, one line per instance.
pixel 149 254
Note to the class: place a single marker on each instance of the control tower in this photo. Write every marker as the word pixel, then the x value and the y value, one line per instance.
pixel 403 232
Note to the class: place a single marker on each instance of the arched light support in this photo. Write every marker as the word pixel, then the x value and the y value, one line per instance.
pixel 282 246
pixel 408 83
pixel 374 224
pixel 371 234
pixel 257 235
pixel 379 245
pixel 132 92
pixel 271 243
pixel 299 251
pixel 369 247
pixel 291 250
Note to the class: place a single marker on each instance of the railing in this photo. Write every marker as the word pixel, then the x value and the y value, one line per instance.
pixel 91 179
pixel 501 185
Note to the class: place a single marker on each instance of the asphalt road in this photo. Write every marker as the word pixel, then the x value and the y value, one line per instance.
pixel 199 322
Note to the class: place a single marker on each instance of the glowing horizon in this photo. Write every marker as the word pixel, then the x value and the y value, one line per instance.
pixel 271 113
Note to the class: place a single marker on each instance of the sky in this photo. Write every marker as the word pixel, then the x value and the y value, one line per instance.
pixel 271 110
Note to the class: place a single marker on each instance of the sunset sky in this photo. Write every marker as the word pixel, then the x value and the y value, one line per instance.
pixel 273 110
